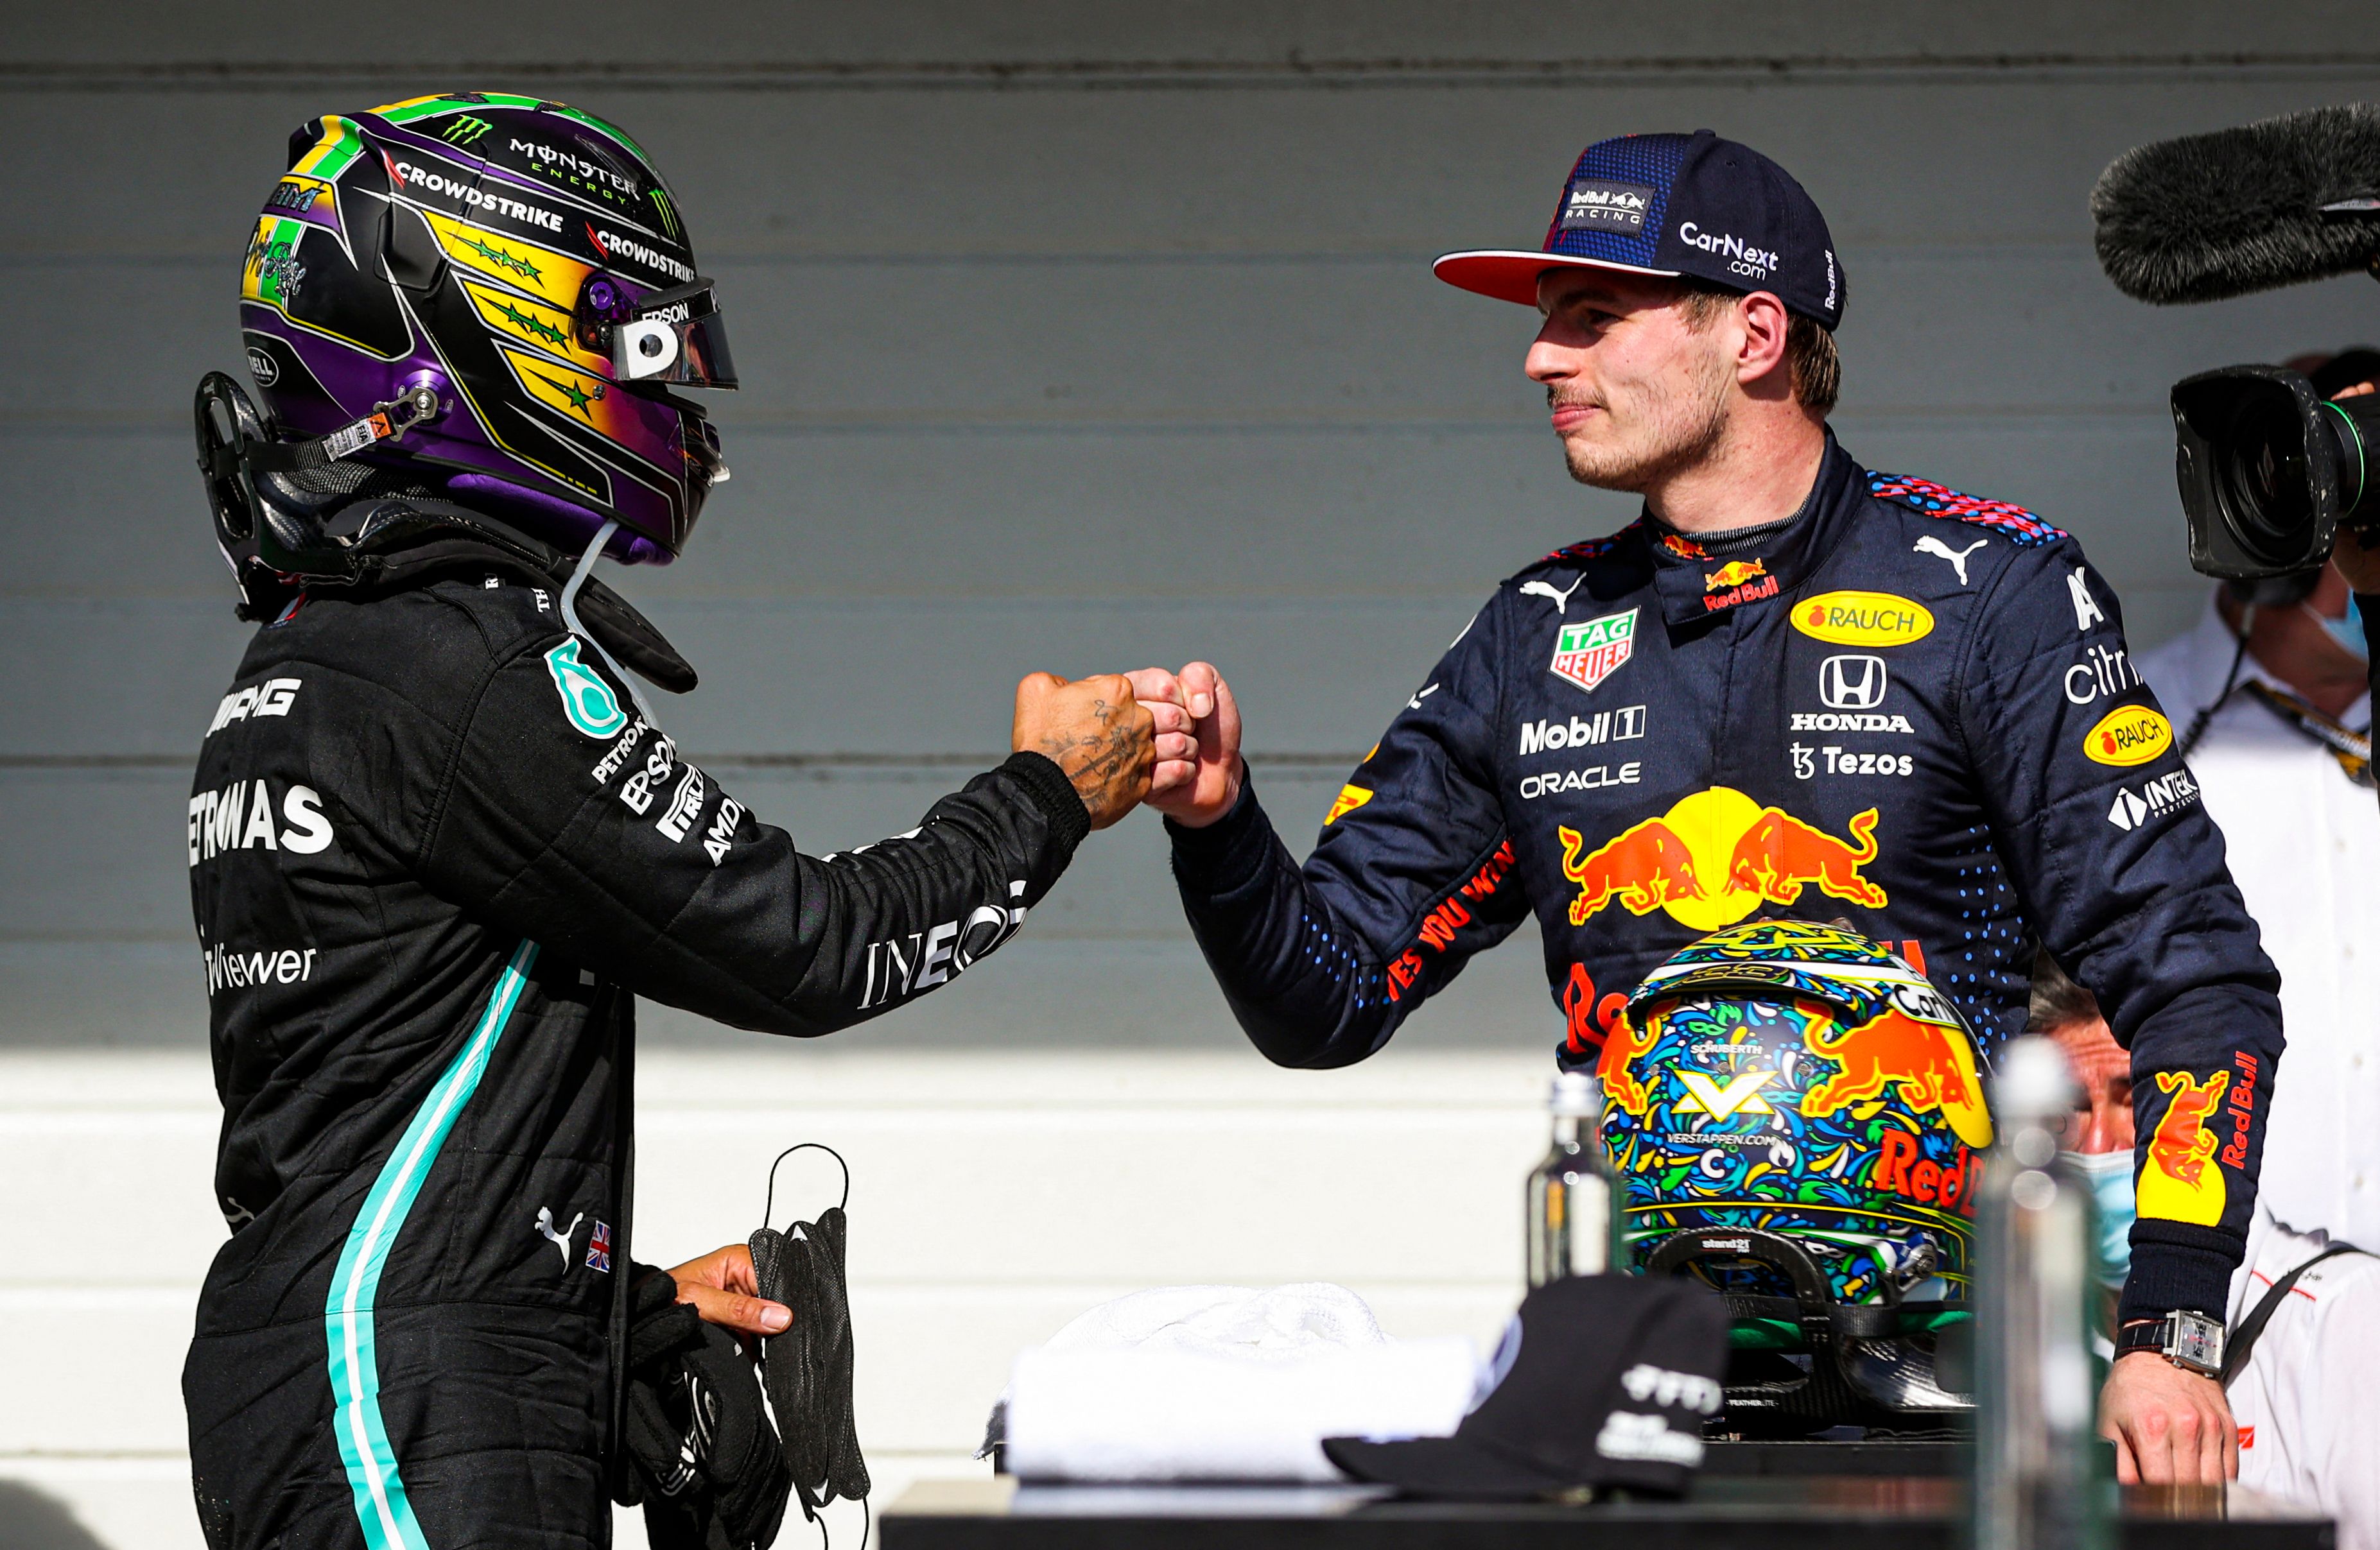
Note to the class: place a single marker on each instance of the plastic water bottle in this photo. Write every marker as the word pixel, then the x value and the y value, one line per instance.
pixel 2037 1483
pixel 1574 1195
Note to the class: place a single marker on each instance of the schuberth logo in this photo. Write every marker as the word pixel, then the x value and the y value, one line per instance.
pixel 1863 618
pixel 1586 654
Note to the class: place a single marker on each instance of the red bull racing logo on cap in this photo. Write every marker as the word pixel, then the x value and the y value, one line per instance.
pixel 1589 652
pixel 1715 857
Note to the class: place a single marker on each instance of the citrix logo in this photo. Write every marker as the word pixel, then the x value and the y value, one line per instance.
pixel 1744 257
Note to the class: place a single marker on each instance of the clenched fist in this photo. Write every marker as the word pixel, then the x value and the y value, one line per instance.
pixel 1094 730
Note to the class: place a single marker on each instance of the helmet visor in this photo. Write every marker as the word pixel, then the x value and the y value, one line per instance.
pixel 677 336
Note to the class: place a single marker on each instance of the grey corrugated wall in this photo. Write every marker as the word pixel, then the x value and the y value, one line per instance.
pixel 1077 336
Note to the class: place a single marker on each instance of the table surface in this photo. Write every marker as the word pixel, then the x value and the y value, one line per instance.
pixel 1772 1512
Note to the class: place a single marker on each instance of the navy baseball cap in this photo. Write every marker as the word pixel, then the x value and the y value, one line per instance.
pixel 1675 205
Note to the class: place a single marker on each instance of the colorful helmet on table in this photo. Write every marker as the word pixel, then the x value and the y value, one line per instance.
pixel 523 261
pixel 1800 1119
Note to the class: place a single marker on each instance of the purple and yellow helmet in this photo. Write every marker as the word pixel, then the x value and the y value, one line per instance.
pixel 525 262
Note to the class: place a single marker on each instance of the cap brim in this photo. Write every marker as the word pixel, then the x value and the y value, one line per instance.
pixel 1512 276
pixel 1454 1468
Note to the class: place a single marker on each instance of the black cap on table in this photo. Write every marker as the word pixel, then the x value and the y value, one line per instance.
pixel 1601 1381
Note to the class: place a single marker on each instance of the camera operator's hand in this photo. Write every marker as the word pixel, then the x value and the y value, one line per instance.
pixel 2359 565
pixel 2169 1427
pixel 1095 731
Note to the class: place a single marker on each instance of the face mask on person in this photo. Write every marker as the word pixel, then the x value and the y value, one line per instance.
pixel 2109 1174
pixel 2347 630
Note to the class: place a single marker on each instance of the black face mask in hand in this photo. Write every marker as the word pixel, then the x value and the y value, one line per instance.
pixel 707 1464
pixel 807 1369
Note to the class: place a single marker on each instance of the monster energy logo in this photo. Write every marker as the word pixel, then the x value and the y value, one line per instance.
pixel 579 397
pixel 463 130
pixel 536 327
pixel 669 217
pixel 513 262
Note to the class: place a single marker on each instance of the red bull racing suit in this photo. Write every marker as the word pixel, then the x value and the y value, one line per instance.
pixel 436 850
pixel 1907 708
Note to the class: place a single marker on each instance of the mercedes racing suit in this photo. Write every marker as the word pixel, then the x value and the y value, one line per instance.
pixel 1908 708
pixel 435 851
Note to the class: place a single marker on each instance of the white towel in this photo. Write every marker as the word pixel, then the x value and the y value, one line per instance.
pixel 1225 1383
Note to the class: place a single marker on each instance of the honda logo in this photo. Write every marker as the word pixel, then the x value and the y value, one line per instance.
pixel 1851 682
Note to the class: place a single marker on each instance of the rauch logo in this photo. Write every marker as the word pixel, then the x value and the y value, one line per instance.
pixel 2133 735
pixel 1863 618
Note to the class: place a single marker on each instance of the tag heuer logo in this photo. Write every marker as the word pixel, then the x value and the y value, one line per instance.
pixel 1589 653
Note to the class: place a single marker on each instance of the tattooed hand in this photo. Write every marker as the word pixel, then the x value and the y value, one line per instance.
pixel 1094 730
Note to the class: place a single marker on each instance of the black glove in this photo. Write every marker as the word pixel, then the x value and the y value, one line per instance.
pixel 705 1462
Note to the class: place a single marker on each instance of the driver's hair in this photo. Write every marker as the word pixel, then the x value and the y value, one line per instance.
pixel 1816 371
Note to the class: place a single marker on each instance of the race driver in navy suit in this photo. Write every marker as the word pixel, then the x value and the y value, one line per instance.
pixel 1792 687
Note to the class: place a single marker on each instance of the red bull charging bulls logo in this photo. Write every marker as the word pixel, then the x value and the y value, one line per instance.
pixel 1715 857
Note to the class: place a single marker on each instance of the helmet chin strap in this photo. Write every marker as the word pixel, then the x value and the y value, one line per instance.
pixel 570 617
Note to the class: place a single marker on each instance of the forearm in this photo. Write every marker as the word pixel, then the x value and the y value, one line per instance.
pixel 1304 984
pixel 2203 1066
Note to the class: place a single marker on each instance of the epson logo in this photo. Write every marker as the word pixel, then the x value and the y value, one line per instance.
pixel 1744 257
pixel 1604 726
pixel 630 248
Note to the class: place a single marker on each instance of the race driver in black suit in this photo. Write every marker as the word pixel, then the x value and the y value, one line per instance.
pixel 439 844
pixel 1793 686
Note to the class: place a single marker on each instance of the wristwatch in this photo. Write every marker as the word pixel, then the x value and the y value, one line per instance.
pixel 2189 1340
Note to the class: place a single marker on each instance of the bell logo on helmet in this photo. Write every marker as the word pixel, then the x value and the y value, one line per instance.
pixel 586 699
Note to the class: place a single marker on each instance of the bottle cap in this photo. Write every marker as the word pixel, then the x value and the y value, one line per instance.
pixel 1577 1096
pixel 2034 1083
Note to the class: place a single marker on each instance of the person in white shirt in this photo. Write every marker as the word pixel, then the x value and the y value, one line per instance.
pixel 2282 761
pixel 2304 1385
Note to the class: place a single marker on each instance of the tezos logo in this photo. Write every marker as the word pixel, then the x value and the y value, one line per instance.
pixel 1589 653
pixel 263 367
pixel 586 699
pixel 1851 682
pixel 1863 618
pixel 2131 734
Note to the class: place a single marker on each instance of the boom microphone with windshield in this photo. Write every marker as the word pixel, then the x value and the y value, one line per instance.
pixel 2270 469
pixel 2267 205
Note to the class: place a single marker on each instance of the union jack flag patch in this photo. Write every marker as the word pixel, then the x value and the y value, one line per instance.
pixel 599 1248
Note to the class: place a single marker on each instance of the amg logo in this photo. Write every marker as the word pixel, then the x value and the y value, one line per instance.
pixel 1604 726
